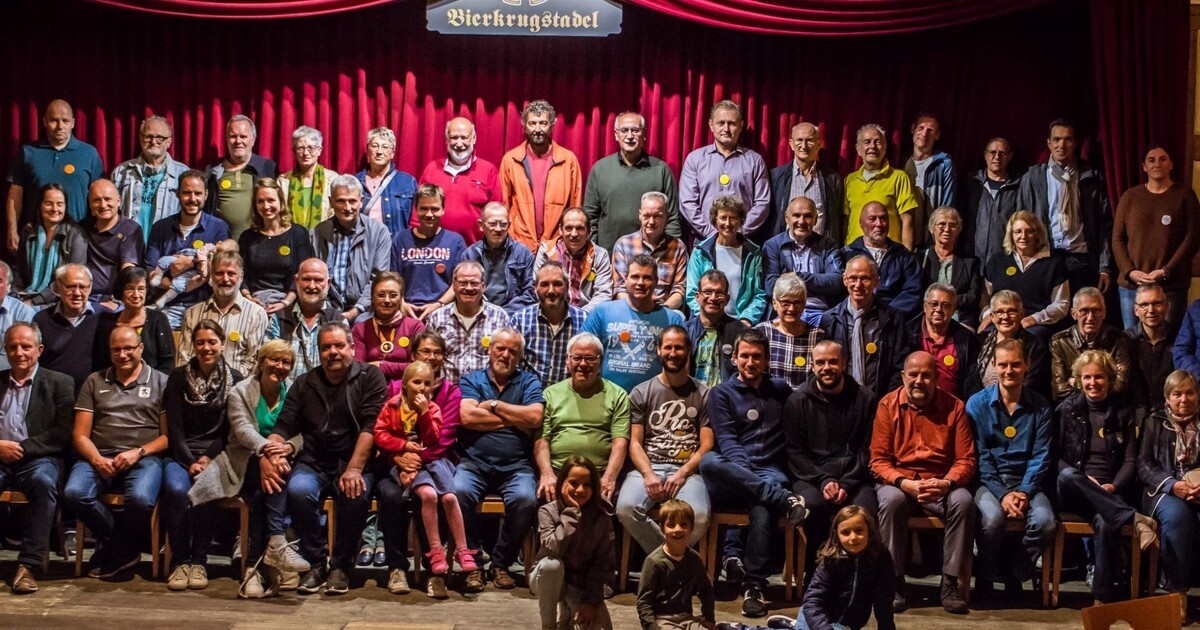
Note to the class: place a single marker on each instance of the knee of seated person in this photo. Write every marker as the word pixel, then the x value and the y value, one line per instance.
pixel 550 566
pixel 891 499
pixel 449 499
pixel 521 502
pixel 141 503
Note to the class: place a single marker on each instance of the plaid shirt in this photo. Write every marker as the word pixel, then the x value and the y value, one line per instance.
pixel 672 257
pixel 465 349
pixel 546 352
pixel 791 357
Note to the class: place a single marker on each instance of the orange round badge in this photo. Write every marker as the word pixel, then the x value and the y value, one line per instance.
pixel 624 336
pixel 68 169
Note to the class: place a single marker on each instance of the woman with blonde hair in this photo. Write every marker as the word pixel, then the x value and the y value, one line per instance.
pixel 1027 268
pixel 273 249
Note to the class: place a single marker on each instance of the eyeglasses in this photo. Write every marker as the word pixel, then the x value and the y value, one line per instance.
pixel 587 359
pixel 938 306
pixel 1149 305
pixel 311 149
pixel 629 131
pixel 789 304
pixel 497 225
pixel 375 146
pixel 710 293
pixel 425 352
pixel 155 139
pixel 1005 312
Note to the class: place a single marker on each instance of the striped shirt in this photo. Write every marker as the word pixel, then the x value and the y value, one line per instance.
pixel 245 325
pixel 466 349
pixel 672 257
pixel 546 350
pixel 791 357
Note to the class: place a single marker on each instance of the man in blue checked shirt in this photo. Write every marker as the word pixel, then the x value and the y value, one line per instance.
pixel 548 325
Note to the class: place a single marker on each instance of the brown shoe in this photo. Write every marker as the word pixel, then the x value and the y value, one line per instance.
pixel 503 579
pixel 23 582
pixel 474 583
pixel 435 587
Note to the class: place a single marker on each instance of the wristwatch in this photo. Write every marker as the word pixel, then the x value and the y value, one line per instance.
pixel 141 452
pixel 492 405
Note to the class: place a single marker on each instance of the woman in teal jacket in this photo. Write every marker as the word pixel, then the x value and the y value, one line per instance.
pixel 731 252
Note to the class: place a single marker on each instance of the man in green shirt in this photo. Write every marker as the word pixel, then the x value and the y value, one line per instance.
pixel 584 415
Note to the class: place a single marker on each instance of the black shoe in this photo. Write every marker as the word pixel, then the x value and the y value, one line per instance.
pixel 118 566
pixel 365 557
pixel 952 600
pixel 796 512
pixel 734 571
pixel 337 583
pixel 899 603
pixel 753 602
pixel 312 580
pixel 380 557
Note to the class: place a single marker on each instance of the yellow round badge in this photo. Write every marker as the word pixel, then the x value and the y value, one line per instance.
pixel 235 336
pixel 872 348
pixel 1012 271
pixel 1010 432
pixel 226 184
pixel 724 179
pixel 800 361
pixel 403 342
pixel 197 244
pixel 68 169
pixel 591 276
pixel 284 250
pixel 486 342
pixel 948 360
pixel 1101 433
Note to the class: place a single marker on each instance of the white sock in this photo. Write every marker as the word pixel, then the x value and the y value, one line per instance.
pixel 277 540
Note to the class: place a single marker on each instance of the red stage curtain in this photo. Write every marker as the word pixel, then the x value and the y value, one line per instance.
pixel 242 9
pixel 834 17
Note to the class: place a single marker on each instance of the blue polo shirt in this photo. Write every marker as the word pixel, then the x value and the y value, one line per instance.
pixel 75 167
pixel 1014 451
pixel 108 251
pixel 504 450
pixel 166 240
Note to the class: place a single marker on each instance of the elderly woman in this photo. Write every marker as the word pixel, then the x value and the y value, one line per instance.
pixel 306 187
pixel 1027 268
pixel 791 339
pixel 255 467
pixel 273 249
pixel 152 325
pixel 393 500
pixel 387 191
pixel 45 244
pixel 940 262
pixel 1167 468
pixel 385 340
pixel 196 428
pixel 588 267
pixel 1155 236
pixel 731 252
pixel 1008 311
pixel 1096 441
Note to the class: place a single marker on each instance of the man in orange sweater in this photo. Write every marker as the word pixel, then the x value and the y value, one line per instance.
pixel 923 456
pixel 540 179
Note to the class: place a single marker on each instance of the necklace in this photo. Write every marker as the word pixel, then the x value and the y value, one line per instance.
pixel 385 345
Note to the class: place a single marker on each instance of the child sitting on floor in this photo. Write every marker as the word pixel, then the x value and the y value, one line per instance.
pixel 673 574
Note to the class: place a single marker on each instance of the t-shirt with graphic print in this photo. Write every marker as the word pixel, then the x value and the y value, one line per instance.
pixel 671 417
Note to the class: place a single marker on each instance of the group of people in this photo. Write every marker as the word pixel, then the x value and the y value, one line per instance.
pixel 182 336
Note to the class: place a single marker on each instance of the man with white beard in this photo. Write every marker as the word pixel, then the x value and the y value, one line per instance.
pixel 469 182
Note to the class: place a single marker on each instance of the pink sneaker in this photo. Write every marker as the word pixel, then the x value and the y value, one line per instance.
pixel 437 560
pixel 466 559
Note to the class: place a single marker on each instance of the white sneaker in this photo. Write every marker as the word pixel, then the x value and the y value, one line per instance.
pixel 289 581
pixel 255 586
pixel 397 582
pixel 286 558
pixel 179 578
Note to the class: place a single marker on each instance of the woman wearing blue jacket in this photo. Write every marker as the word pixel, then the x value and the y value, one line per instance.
pixel 731 252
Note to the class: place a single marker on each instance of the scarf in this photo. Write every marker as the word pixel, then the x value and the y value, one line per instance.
pixel 578 267
pixel 311 214
pixel 42 262
pixel 1068 196
pixel 1187 441
pixel 202 391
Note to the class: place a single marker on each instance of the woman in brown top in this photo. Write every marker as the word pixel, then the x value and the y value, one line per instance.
pixel 1154 236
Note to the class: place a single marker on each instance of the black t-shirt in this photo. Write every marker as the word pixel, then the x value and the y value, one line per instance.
pixel 272 261
pixel 1035 284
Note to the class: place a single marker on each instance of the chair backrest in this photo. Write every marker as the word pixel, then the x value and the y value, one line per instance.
pixel 1149 613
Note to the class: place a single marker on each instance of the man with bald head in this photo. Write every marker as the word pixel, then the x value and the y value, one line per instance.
pixel 800 248
pixel 877 181
pixel 468 181
pixel 923 456
pixel 899 270
pixel 871 334
pixel 68 329
pixel 60 158
pixel 299 324
pixel 114 242
pixel 804 177
pixel 507 263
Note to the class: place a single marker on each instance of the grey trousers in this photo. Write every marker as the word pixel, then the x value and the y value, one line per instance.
pixel 557 600
pixel 958 511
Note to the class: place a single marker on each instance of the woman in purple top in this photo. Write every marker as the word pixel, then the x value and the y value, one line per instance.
pixel 386 338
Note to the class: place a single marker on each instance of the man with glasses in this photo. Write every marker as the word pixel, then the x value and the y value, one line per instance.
pixel 812 255
pixel 1089 333
pixel 877 181
pixel 669 253
pixel 899 271
pixel 713 332
pixel 1008 311
pixel 468 323
pixel 147 183
pixel 1150 341
pixel 507 264
pixel 791 338
pixel 871 333
pixel 69 329
pixel 468 180
pixel 952 344
pixel 629 328
pixel 991 199
pixel 804 178
pixel 230 182
pixel 617 182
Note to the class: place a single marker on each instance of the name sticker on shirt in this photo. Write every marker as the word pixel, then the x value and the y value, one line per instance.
pixel 872 348
pixel 402 342
pixel 440 268
pixel 591 276
pixel 68 169
pixel 284 250
pixel 691 412
pixel 226 184
pixel 752 415
pixel 800 361
pixel 235 336
pixel 1166 220
pixel 624 336
pixel 1010 432
pixel 724 179
pixel 948 360
pixel 727 349
pixel 143 392
pixel 197 244
pixel 486 341
pixel 1012 271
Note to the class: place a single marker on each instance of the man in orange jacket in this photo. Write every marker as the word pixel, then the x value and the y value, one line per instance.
pixel 540 179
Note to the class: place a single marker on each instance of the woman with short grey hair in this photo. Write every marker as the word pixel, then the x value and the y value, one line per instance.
pixel 306 186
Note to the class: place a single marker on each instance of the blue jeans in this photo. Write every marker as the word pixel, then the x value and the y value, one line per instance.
pixel 646 531
pixel 305 490
pixel 37 479
pixel 1178 526
pixel 1039 534
pixel 268 512
pixel 519 491
pixel 761 489
pixel 1108 513
pixel 140 485
pixel 189 528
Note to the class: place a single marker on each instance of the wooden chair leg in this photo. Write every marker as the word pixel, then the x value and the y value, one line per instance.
pixel 1152 573
pixel 1059 542
pixel 789 562
pixel 414 545
pixel 330 524
pixel 623 576
pixel 1047 565
pixel 801 559
pixel 1135 569
pixel 244 533
pixel 964 580
pixel 154 538
pixel 166 556
pixel 80 536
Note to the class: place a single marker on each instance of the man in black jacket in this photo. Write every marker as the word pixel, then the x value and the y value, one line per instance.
pixel 298 323
pixel 954 346
pixel 871 333
pixel 35 428
pixel 803 177
pixel 334 407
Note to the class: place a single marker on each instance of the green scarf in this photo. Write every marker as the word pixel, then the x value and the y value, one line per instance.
pixel 310 214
